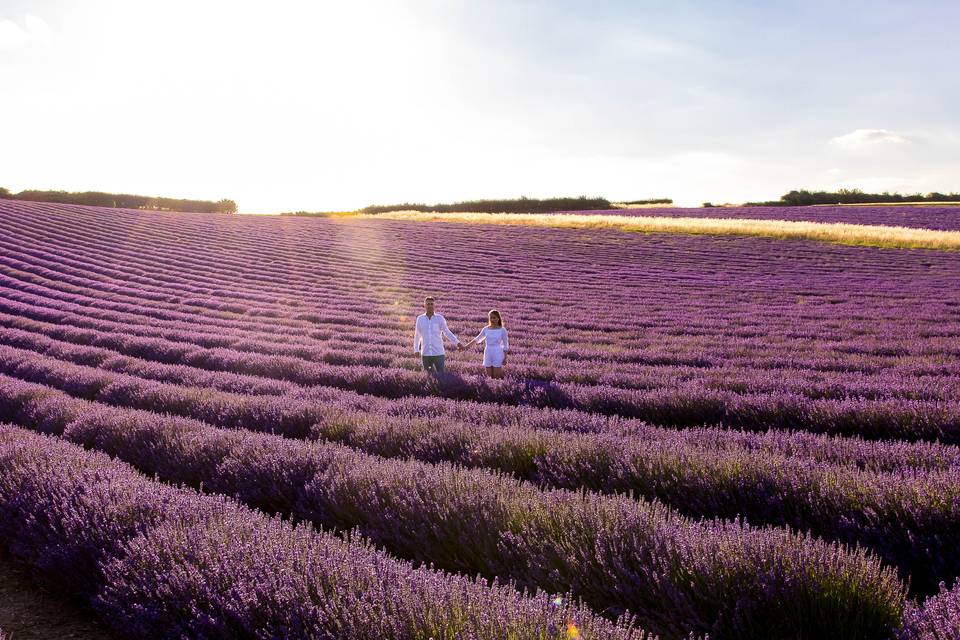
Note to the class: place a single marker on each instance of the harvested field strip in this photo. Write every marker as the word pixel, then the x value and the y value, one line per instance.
pixel 834 232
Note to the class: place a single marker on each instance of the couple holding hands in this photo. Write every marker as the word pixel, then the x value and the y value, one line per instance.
pixel 431 328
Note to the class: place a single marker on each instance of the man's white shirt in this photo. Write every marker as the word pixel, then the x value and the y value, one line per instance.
pixel 429 332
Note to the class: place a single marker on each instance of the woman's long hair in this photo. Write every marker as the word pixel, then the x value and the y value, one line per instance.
pixel 499 319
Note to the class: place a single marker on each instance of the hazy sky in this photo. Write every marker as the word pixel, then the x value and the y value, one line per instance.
pixel 335 105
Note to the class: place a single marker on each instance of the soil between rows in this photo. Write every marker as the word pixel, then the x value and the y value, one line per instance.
pixel 28 611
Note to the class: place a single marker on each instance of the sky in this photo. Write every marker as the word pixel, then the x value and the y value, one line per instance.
pixel 285 106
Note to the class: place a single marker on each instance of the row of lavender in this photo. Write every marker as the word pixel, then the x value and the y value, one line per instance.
pixel 904 508
pixel 618 554
pixel 160 562
pixel 943 217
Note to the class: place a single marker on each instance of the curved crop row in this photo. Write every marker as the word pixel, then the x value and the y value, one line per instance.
pixel 911 519
pixel 619 555
pixel 50 313
pixel 110 360
pixel 163 562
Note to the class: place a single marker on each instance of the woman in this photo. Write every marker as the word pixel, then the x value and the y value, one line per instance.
pixel 496 345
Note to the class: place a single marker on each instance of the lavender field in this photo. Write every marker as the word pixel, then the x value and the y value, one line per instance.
pixel 213 426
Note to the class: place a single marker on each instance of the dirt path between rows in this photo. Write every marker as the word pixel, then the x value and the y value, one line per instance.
pixel 30 612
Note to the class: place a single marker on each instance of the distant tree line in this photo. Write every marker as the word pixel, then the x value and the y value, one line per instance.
pixel 318 214
pixel 516 205
pixel 800 198
pixel 652 201
pixel 122 200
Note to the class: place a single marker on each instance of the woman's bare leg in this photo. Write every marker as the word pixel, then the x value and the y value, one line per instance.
pixel 497 372
pixel 491 372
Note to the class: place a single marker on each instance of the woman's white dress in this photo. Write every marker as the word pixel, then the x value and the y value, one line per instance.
pixel 495 344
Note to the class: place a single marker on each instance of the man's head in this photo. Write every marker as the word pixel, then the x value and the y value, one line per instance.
pixel 428 305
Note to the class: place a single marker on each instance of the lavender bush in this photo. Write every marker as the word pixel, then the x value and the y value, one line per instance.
pixel 936 619
pixel 160 562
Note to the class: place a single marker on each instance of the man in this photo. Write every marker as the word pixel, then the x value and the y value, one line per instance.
pixel 428 339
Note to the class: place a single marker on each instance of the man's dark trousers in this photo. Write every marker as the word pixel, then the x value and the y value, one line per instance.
pixel 434 364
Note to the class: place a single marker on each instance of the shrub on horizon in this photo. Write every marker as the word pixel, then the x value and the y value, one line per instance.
pixel 516 205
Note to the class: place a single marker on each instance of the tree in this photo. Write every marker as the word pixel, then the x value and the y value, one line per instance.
pixel 5 194
pixel 226 206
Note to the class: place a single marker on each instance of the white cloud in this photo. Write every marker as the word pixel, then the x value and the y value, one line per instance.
pixel 38 29
pixel 15 36
pixel 12 35
pixel 868 137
